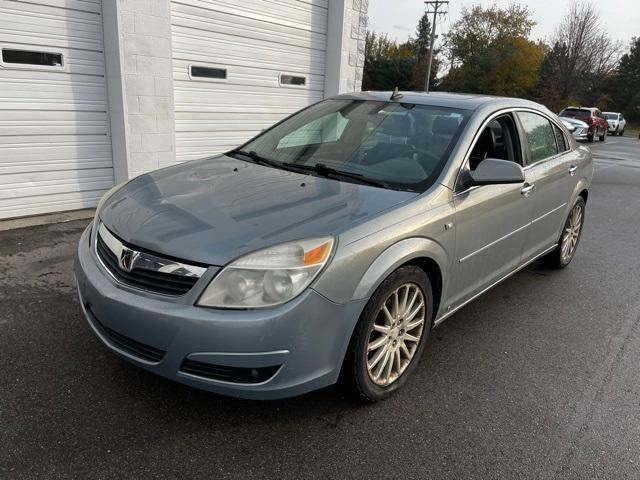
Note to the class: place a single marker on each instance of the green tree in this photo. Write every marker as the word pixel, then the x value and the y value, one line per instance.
pixel 386 64
pixel 423 35
pixel 480 29
pixel 420 46
pixel 389 64
pixel 492 53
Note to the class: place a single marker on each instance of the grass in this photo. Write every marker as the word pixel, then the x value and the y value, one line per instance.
pixel 632 130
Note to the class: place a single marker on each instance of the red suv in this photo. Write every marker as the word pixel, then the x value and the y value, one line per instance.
pixel 591 116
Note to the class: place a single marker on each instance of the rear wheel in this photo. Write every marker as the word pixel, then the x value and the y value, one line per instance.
pixel 564 252
pixel 390 335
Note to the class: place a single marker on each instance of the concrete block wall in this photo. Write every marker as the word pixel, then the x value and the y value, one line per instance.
pixel 345 46
pixel 138 59
pixel 138 45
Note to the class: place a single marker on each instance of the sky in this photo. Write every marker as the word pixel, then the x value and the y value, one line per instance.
pixel 398 18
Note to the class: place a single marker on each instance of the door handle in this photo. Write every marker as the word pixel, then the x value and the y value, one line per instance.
pixel 572 170
pixel 528 189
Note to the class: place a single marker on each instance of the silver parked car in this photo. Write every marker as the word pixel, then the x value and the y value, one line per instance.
pixel 578 129
pixel 330 245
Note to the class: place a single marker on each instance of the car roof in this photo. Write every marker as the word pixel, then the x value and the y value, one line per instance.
pixel 613 113
pixel 461 101
pixel 591 109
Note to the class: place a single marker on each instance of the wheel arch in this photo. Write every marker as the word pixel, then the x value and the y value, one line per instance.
pixel 584 193
pixel 425 253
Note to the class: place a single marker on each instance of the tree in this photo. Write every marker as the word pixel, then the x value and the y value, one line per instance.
pixel 581 58
pixel 388 64
pixel 624 84
pixel 423 35
pixel 491 52
pixel 420 45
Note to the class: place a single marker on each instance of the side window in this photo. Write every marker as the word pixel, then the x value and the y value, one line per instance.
pixel 540 136
pixel 325 129
pixel 497 140
pixel 562 142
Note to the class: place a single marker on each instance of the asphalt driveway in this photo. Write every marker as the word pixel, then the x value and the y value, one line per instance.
pixel 539 378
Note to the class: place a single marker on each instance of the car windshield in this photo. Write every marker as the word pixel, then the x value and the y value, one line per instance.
pixel 611 116
pixel 394 145
pixel 575 112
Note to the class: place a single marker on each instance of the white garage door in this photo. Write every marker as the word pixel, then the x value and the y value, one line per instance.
pixel 55 148
pixel 240 66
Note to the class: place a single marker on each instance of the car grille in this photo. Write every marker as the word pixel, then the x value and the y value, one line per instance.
pixel 129 345
pixel 228 374
pixel 144 279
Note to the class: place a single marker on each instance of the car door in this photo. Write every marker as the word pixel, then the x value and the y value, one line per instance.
pixel 549 157
pixel 491 220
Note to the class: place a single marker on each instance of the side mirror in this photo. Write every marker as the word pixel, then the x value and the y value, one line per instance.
pixel 492 171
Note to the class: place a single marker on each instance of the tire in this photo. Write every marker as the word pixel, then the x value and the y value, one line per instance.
pixel 621 133
pixel 591 137
pixel 603 137
pixel 556 259
pixel 357 373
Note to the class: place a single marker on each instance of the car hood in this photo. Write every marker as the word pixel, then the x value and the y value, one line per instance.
pixel 216 209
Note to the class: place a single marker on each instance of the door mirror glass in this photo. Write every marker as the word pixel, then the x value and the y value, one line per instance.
pixel 492 171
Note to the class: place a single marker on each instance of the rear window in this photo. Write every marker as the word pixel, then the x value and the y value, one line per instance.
pixel 561 141
pixel 575 112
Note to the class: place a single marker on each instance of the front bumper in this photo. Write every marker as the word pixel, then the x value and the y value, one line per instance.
pixel 306 338
pixel 580 133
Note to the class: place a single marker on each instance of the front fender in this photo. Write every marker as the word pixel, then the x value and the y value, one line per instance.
pixel 396 255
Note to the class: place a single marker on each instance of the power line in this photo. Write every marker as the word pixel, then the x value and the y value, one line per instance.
pixel 433 7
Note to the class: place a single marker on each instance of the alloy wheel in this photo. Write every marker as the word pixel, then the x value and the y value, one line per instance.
pixel 395 334
pixel 571 232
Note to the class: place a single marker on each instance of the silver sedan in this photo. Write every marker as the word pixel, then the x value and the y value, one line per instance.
pixel 578 129
pixel 332 243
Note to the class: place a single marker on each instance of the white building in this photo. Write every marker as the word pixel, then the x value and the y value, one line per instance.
pixel 93 92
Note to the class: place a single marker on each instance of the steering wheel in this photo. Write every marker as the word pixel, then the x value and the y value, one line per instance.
pixel 427 160
pixel 362 156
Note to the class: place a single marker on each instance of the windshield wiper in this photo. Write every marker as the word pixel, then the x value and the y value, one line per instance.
pixel 255 157
pixel 326 171
pixel 259 159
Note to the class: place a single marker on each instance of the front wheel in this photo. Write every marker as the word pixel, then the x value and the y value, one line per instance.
pixel 621 133
pixel 564 252
pixel 591 137
pixel 390 335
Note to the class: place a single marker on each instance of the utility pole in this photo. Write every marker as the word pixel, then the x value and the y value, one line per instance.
pixel 433 7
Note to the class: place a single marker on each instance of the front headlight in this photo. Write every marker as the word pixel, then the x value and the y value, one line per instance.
pixel 268 277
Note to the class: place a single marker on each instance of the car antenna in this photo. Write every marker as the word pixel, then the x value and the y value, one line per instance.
pixel 396 94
